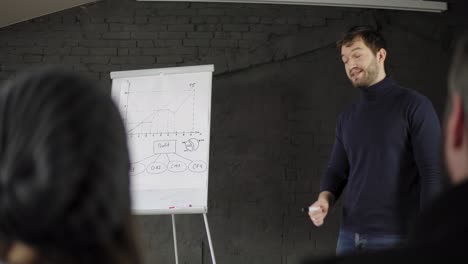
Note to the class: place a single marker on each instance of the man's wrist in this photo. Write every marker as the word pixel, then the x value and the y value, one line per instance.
pixel 328 197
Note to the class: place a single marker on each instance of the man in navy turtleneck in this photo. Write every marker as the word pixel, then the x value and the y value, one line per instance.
pixel 386 152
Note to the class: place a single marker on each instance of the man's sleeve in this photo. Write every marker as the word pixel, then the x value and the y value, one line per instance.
pixel 336 173
pixel 426 142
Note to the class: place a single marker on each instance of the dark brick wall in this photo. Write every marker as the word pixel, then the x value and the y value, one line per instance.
pixel 278 88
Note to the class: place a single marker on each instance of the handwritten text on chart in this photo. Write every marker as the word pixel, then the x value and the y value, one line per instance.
pixel 164 146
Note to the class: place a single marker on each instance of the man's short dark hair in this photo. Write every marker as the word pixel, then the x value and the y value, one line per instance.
pixel 371 37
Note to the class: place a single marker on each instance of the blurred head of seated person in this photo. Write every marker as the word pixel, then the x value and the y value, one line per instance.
pixel 442 229
pixel 456 119
pixel 64 173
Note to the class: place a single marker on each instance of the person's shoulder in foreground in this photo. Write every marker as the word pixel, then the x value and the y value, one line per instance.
pixel 436 254
pixel 440 234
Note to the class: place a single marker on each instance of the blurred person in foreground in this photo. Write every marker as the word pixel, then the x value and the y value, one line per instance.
pixel 64 173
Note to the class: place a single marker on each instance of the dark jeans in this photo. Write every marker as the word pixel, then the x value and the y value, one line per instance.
pixel 350 242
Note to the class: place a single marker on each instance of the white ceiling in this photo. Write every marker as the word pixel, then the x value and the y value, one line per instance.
pixel 408 5
pixel 14 11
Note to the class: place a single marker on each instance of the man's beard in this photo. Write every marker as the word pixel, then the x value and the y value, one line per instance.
pixel 370 74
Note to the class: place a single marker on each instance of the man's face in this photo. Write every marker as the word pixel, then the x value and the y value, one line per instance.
pixel 360 63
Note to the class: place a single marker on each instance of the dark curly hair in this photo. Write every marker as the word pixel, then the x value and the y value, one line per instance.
pixel 371 37
pixel 64 170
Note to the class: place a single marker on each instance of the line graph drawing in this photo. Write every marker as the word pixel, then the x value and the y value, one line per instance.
pixel 156 110
pixel 161 120
pixel 167 119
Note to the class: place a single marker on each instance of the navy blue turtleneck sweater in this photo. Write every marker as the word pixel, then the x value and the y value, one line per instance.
pixel 386 153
